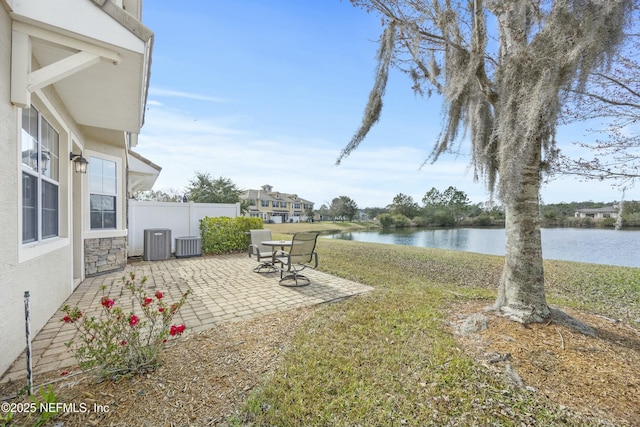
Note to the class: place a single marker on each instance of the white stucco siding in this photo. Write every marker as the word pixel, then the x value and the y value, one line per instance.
pixel 48 280
pixel 90 110
pixel 8 189
pixel 9 150
pixel 46 277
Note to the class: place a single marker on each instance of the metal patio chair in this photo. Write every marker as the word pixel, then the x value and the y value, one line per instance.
pixel 263 253
pixel 301 255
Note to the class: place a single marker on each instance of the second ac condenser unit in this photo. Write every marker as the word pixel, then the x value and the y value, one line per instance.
pixel 157 244
pixel 188 246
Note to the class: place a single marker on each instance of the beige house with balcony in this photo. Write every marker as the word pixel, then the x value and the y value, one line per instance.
pixel 74 76
pixel 276 207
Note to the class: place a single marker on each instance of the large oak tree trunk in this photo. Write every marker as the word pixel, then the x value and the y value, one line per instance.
pixel 521 294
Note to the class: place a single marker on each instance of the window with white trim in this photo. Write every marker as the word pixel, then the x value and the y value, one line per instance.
pixel 102 193
pixel 40 177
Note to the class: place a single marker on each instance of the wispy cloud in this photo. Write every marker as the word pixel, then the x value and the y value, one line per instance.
pixel 292 164
pixel 169 93
pixel 372 175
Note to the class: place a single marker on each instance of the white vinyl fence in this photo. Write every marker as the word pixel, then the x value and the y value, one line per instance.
pixel 183 219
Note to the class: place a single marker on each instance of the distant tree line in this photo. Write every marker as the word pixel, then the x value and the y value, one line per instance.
pixel 452 208
pixel 448 208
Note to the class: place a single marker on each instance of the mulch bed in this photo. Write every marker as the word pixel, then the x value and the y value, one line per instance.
pixel 596 375
pixel 207 376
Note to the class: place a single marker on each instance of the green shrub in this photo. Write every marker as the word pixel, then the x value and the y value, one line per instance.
pixel 482 220
pixel 386 220
pixel 443 219
pixel 224 234
pixel 421 221
pixel 401 221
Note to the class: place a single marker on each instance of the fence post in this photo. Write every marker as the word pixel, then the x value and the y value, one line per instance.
pixel 27 326
pixel 192 220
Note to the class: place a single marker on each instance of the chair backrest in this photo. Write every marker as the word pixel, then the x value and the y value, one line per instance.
pixel 258 236
pixel 302 247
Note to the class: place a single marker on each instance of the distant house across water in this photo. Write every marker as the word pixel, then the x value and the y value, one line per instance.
pixel 598 213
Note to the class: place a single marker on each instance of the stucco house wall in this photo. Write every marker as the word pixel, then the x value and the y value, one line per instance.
pixel 50 268
pixel 42 271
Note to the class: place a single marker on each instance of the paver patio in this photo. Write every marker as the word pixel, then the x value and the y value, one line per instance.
pixel 223 288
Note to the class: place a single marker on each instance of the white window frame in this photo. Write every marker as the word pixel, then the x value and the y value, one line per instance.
pixel 41 179
pixel 116 193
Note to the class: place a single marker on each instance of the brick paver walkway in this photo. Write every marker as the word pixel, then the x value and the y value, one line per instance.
pixel 223 288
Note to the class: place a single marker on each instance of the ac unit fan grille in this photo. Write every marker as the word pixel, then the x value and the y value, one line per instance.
pixel 188 247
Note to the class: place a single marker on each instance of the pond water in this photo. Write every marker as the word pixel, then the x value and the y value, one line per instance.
pixel 597 246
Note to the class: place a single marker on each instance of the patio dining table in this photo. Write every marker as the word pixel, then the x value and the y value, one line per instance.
pixel 276 244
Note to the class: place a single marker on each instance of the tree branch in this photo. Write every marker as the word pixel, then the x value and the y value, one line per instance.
pixel 374 105
pixel 608 100
pixel 619 83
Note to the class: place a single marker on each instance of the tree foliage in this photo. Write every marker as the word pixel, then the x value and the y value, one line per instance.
pixel 404 205
pixel 171 195
pixel 343 207
pixel 443 208
pixel 349 207
pixel 503 86
pixel 204 189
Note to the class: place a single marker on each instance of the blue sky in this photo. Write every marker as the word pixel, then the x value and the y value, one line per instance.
pixel 270 93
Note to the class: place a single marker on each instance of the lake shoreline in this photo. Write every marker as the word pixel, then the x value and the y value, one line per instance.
pixel 587 245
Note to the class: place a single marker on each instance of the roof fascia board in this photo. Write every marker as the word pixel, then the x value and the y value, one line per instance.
pixel 125 19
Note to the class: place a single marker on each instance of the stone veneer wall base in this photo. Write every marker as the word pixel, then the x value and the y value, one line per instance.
pixel 104 255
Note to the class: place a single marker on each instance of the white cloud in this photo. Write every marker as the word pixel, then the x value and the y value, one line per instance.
pixel 169 93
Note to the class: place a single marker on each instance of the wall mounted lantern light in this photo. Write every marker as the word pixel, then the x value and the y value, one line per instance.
pixel 79 162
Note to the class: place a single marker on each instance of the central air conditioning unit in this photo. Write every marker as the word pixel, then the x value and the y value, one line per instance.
pixel 189 246
pixel 157 244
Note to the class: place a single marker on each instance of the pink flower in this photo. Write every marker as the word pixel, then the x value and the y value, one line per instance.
pixel 123 342
pixel 63 373
pixel 159 294
pixel 133 320
pixel 67 319
pixel 107 303
pixel 160 309
pixel 147 301
pixel 176 330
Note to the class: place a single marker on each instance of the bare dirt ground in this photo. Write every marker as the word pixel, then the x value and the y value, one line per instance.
pixel 207 376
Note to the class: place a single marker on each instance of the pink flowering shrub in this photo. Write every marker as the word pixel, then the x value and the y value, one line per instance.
pixel 118 342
